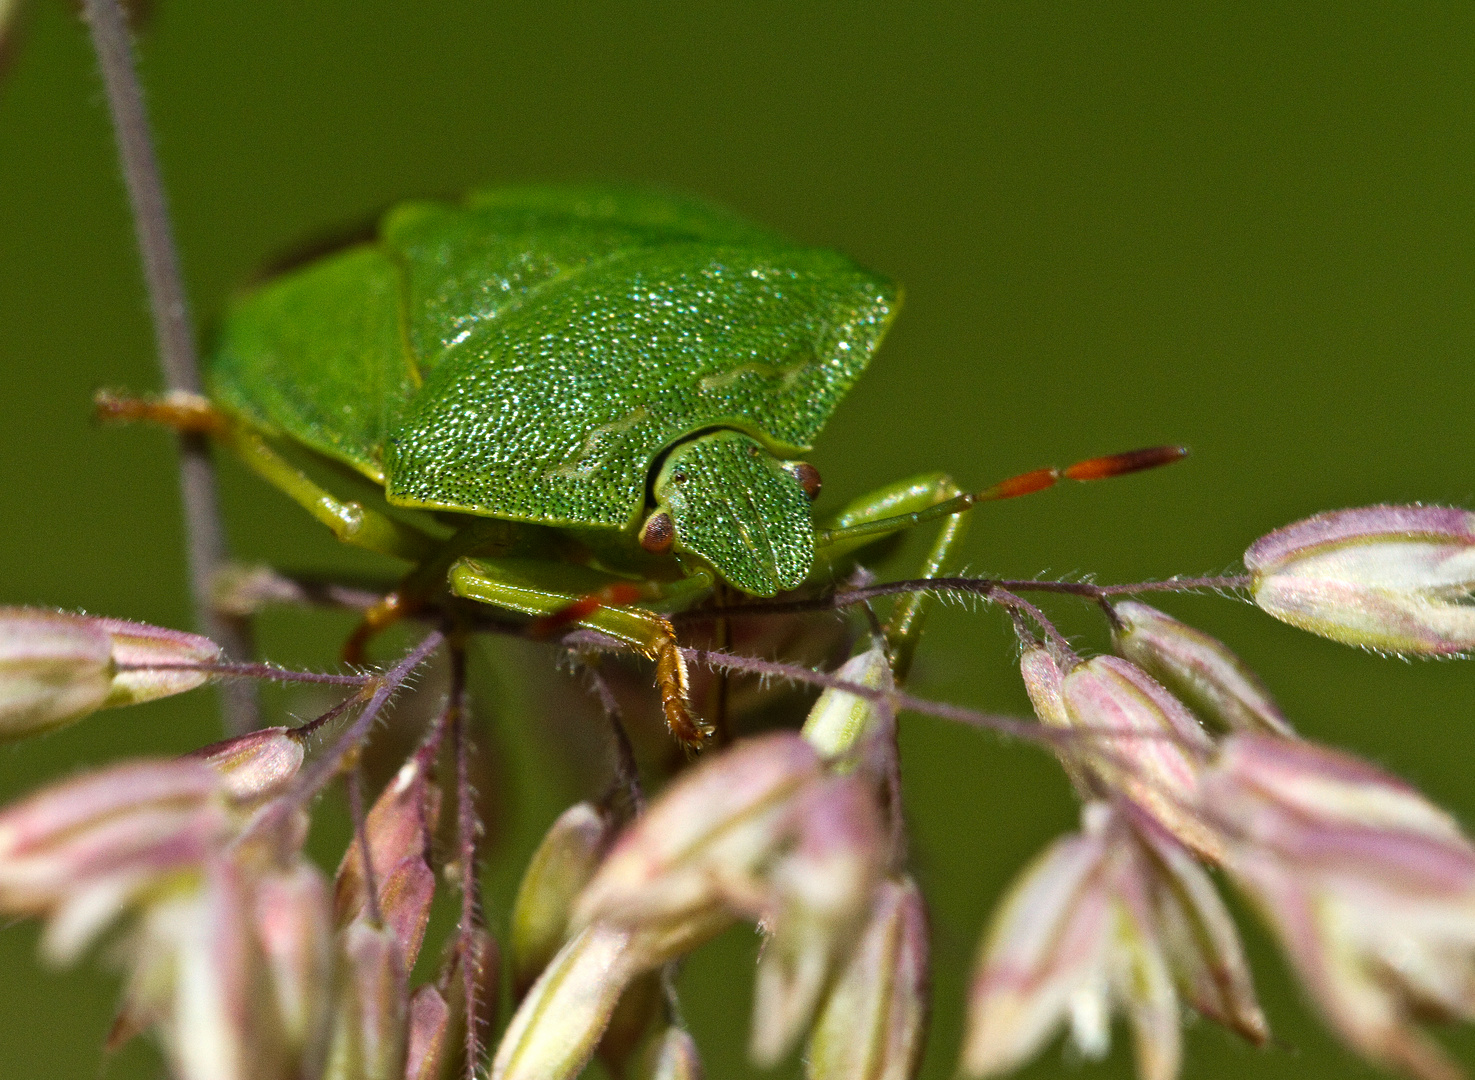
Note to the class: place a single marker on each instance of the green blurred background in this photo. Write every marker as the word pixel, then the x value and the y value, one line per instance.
pixel 1244 227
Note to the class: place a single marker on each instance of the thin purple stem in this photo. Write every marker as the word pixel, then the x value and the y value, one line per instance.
pixel 1016 603
pixel 466 829
pixel 627 773
pixel 304 731
pixel 325 768
pixel 174 338
pixel 986 588
pixel 1028 730
pixel 429 748
pixel 269 672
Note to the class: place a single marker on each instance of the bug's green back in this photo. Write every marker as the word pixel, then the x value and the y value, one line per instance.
pixel 565 336
pixel 320 356
pixel 467 264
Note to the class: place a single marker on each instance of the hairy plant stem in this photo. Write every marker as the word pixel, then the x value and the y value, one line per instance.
pixel 1030 731
pixel 174 339
pixel 321 771
pixel 467 827
pixel 983 588
pixel 627 774
pixel 263 672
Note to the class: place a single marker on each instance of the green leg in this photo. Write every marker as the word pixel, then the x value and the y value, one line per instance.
pixel 896 507
pixel 605 603
pixel 934 497
pixel 898 516
pixel 351 522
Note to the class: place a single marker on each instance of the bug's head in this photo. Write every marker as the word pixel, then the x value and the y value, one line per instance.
pixel 725 498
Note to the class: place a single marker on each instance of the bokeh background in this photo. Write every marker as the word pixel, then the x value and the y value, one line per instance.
pixel 1244 227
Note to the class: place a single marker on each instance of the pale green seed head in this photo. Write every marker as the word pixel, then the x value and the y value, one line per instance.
pixel 736 505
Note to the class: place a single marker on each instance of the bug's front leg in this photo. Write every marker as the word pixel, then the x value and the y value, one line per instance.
pixel 896 503
pixel 596 601
pixel 934 497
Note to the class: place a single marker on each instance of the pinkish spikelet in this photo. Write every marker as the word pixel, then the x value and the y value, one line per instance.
pixel 371 1006
pixel 1108 919
pixel 255 765
pixel 294 923
pixel 696 850
pixel 1155 759
pixel 820 894
pixel 212 1022
pixel 80 852
pixel 1335 528
pixel 405 895
pixel 1368 886
pixel 398 826
pixel 53 815
pixel 136 646
pixel 1199 669
pixel 428 1043
pixel 1387 578
pixel 55 668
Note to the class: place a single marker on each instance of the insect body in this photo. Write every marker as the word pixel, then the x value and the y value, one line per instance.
pixel 530 354
pixel 602 393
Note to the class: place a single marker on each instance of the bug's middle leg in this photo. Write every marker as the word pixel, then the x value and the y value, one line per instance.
pixel 351 522
pixel 577 595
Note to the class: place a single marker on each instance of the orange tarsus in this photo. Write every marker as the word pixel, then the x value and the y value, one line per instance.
pixel 671 681
pixel 390 609
pixel 180 410
pixel 671 678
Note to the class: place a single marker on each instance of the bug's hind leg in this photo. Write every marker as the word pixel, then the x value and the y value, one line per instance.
pixel 561 594
pixel 351 522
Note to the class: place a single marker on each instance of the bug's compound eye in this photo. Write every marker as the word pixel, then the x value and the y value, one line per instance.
pixel 658 533
pixel 808 477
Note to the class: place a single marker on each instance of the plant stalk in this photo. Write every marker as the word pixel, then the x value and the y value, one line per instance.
pixel 174 338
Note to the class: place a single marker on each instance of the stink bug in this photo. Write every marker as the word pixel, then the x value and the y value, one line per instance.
pixel 600 394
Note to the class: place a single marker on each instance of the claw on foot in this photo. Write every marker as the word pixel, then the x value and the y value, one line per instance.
pixel 690 730
pixel 671 678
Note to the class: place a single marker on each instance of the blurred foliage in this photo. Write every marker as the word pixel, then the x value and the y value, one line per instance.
pixel 1244 227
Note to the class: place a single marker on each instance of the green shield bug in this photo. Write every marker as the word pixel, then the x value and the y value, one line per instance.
pixel 602 394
